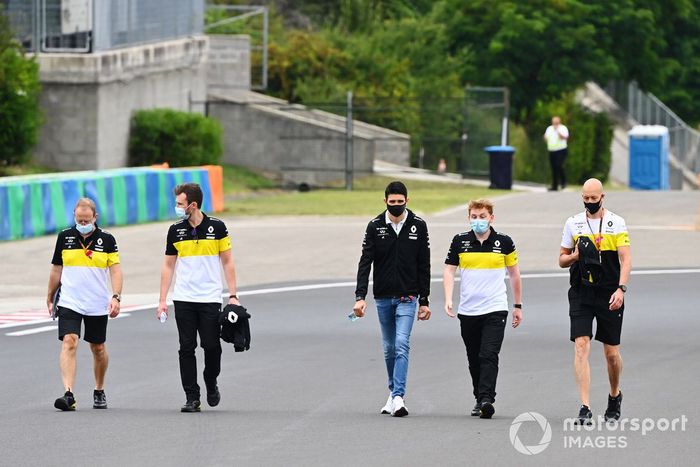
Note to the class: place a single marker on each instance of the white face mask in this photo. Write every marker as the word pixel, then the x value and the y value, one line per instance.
pixel 84 229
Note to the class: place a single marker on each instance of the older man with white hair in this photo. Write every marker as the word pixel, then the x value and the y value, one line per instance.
pixel 83 256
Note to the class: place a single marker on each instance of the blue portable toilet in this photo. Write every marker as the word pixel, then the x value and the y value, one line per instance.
pixel 648 164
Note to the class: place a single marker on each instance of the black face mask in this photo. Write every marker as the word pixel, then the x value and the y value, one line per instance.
pixel 396 209
pixel 593 207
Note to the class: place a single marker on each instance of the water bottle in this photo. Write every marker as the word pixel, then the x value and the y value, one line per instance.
pixel 352 317
pixel 163 317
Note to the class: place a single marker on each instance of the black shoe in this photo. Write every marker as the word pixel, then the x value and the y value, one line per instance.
pixel 476 411
pixel 99 400
pixel 614 407
pixel 585 416
pixel 552 188
pixel 213 396
pixel 191 406
pixel 65 403
pixel 486 410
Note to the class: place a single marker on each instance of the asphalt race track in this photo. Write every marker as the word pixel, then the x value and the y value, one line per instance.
pixel 309 390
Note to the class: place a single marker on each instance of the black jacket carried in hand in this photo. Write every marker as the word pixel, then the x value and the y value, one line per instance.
pixel 401 263
pixel 237 333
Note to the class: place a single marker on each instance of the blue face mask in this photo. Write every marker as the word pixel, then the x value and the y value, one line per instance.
pixel 479 226
pixel 84 229
pixel 180 213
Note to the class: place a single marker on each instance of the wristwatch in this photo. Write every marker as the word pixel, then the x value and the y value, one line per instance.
pixel 622 287
pixel 117 297
pixel 518 305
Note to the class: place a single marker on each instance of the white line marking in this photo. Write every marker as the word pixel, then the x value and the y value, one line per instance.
pixel 26 332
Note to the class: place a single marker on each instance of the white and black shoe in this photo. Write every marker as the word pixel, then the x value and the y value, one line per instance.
pixel 399 408
pixel 476 411
pixel 388 407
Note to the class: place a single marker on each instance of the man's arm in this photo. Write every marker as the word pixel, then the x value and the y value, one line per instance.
pixel 166 277
pixel 424 269
pixel 54 282
pixel 448 285
pixel 516 284
pixel 230 274
pixel 115 274
pixel 363 269
pixel 625 256
pixel 568 256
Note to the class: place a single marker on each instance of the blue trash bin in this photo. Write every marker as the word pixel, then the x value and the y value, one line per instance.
pixel 500 166
pixel 648 163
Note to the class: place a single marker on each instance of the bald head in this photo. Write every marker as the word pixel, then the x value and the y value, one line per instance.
pixel 592 185
pixel 592 194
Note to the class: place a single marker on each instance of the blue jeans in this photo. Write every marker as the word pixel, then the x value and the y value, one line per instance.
pixel 396 318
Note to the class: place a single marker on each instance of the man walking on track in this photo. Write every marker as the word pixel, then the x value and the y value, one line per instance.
pixel 396 243
pixel 483 257
pixel 595 246
pixel 198 246
pixel 83 255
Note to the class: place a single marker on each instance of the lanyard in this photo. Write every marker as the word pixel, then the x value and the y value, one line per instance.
pixel 87 252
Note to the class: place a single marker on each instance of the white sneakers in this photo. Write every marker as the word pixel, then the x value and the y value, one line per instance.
pixel 399 407
pixel 388 407
pixel 395 406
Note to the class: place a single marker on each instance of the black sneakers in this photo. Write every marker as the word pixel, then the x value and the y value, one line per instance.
pixel 99 400
pixel 585 416
pixel 476 411
pixel 614 407
pixel 213 396
pixel 191 406
pixel 65 403
pixel 486 410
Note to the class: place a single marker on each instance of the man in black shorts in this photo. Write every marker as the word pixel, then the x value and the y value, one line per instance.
pixel 84 253
pixel 596 246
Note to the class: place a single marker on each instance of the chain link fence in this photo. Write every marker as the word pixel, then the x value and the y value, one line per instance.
pixel 82 26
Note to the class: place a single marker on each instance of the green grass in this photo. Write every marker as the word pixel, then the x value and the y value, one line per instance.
pixel 367 198
pixel 24 169
pixel 240 180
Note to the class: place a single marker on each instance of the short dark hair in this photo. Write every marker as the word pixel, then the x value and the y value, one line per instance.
pixel 192 191
pixel 396 188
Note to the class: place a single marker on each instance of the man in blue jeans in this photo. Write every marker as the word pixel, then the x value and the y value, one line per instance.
pixel 397 243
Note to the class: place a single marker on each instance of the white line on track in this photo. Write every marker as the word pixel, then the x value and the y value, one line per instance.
pixel 26 332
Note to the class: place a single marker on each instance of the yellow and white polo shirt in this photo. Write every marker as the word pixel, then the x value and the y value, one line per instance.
pixel 198 267
pixel 483 271
pixel 85 261
pixel 610 233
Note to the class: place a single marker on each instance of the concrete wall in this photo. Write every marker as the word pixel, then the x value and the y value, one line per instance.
pixel 299 149
pixel 229 63
pixel 88 99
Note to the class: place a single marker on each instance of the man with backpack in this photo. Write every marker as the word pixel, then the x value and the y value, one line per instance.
pixel 595 247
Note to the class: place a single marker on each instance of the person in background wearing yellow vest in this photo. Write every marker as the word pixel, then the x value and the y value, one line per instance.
pixel 556 137
pixel 83 254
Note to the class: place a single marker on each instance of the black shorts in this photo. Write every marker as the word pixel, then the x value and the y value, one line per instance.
pixel 588 304
pixel 69 323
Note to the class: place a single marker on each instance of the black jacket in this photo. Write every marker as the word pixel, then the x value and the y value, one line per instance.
pixel 401 264
pixel 237 333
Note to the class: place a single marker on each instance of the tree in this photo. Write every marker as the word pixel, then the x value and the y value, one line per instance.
pixel 20 116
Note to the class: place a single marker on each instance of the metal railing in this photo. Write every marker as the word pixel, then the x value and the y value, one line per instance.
pixel 82 26
pixel 647 109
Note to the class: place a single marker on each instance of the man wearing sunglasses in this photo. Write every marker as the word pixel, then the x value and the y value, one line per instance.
pixel 83 256
pixel 198 246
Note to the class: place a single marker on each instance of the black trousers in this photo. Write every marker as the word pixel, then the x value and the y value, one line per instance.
pixel 202 318
pixel 483 336
pixel 556 160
